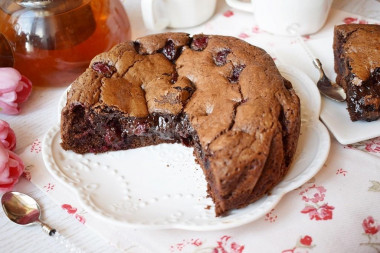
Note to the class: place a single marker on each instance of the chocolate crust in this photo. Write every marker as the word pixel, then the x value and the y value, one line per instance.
pixel 357 64
pixel 220 95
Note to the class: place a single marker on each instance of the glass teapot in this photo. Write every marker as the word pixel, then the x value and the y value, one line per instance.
pixel 53 41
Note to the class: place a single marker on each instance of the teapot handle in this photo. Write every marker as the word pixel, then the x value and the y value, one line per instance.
pixel 151 21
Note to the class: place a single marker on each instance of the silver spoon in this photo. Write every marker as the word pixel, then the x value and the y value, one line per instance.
pixel 24 210
pixel 325 86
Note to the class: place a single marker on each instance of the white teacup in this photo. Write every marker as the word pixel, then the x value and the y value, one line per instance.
pixel 287 17
pixel 160 14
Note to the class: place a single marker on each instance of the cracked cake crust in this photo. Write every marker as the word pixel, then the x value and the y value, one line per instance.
pixel 357 64
pixel 220 95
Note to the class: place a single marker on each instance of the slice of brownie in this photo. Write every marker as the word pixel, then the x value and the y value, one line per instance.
pixel 357 64
pixel 220 95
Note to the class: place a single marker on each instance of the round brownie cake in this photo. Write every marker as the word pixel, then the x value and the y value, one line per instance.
pixel 218 94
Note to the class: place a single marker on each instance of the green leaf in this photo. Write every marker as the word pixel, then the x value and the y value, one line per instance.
pixel 375 186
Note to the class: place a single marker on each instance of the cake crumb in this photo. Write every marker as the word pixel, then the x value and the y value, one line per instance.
pixel 208 207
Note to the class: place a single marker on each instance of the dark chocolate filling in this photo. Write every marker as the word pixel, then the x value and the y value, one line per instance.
pixel 358 96
pixel 111 130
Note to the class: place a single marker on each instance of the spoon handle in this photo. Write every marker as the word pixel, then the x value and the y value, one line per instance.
pixel 66 243
pixel 47 229
pixel 316 62
pixel 60 238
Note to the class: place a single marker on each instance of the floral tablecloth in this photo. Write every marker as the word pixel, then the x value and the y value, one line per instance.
pixel 335 211
pixel 338 210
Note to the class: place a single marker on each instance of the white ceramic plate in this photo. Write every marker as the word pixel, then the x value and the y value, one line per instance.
pixel 336 118
pixel 162 187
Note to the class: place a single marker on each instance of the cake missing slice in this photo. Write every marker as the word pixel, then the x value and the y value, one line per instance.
pixel 357 64
pixel 220 95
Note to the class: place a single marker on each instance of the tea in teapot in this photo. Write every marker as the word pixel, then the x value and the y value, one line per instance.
pixel 53 41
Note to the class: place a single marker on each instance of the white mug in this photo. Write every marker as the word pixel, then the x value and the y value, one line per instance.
pixel 287 17
pixel 160 14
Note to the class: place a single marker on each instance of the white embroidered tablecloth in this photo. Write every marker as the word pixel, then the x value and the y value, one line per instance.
pixel 338 210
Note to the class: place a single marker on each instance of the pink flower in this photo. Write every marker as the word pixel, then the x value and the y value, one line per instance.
pixel 323 212
pixel 370 226
pixel 256 29
pixel 306 240
pixel 313 194
pixel 7 136
pixel 80 218
pixel 14 90
pixel 243 35
pixel 226 246
pixel 349 20
pixel 228 13
pixel 11 168
pixel 373 146
pixel 288 251
pixel 196 242
pixel 70 209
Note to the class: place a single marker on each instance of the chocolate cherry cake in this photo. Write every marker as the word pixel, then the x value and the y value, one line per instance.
pixel 220 95
pixel 357 64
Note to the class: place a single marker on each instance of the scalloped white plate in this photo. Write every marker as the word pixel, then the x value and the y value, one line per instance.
pixel 162 187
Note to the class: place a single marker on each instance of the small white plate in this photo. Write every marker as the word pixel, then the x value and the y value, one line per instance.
pixel 334 114
pixel 336 118
pixel 162 187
